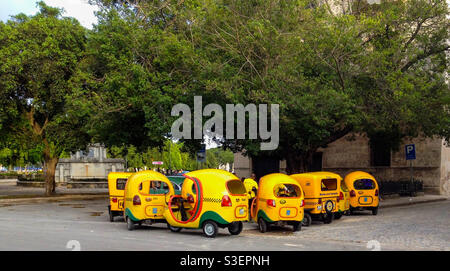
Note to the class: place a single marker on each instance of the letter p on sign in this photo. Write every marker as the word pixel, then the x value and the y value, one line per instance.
pixel 410 151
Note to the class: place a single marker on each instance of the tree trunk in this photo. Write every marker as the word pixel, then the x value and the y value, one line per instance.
pixel 50 169
pixel 298 163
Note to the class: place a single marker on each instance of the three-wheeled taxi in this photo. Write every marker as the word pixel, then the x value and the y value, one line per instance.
pixel 279 201
pixel 344 202
pixel 146 195
pixel 363 191
pixel 210 198
pixel 321 195
pixel 116 188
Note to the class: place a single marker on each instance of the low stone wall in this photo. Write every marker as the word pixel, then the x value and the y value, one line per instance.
pixel 87 185
pixel 72 183
pixel 35 184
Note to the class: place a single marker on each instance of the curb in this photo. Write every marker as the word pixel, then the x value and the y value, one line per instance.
pixel 52 199
pixel 411 203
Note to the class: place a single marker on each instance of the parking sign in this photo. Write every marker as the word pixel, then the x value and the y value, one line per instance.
pixel 410 151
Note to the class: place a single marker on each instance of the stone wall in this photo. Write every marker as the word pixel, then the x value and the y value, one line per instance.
pixel 445 169
pixel 351 153
pixel 67 169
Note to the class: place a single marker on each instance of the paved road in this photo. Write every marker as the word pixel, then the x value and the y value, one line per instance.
pixel 49 226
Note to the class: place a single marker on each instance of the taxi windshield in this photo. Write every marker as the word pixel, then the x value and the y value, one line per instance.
pixel 364 184
pixel 287 191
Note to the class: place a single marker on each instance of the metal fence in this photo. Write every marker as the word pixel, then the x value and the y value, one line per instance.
pixel 403 187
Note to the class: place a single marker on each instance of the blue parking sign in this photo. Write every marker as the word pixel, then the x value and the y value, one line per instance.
pixel 410 151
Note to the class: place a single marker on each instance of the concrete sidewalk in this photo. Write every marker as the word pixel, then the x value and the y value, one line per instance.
pixel 403 201
pixel 11 193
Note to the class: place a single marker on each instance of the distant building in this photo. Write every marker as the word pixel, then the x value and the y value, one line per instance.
pixel 432 164
pixel 83 165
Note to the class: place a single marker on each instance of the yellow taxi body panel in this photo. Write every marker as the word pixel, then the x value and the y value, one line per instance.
pixel 116 188
pixel 344 204
pixel 152 190
pixel 321 191
pixel 285 195
pixel 202 193
pixel 365 188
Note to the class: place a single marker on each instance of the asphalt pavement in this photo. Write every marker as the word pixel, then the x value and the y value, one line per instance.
pixel 63 224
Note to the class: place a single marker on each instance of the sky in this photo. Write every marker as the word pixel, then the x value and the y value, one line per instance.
pixel 79 9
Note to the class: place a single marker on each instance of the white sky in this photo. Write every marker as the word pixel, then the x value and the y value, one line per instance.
pixel 79 9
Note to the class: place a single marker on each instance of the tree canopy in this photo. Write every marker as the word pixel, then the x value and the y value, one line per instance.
pixel 39 57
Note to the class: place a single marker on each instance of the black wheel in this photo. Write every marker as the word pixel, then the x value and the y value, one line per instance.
pixel 235 228
pixel 111 216
pixel 297 226
pixel 375 211
pixel 210 229
pixel 262 225
pixel 130 224
pixel 351 211
pixel 337 215
pixel 307 220
pixel 173 229
pixel 327 218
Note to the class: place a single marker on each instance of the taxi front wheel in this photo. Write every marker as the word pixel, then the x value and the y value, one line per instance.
pixel 210 229
pixel 235 228
pixel 307 220
pixel 172 228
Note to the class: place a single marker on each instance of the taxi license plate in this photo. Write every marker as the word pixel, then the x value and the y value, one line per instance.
pixel 241 211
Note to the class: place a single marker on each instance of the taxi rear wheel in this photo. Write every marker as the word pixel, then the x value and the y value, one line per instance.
pixel 297 226
pixel 111 216
pixel 262 225
pixel 130 224
pixel 327 218
pixel 375 211
pixel 235 228
pixel 210 229
pixel 337 215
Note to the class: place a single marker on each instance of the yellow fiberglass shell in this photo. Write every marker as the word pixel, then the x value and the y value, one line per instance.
pixel 318 197
pixel 344 204
pixel 288 206
pixel 116 189
pixel 153 190
pixel 206 188
pixel 362 197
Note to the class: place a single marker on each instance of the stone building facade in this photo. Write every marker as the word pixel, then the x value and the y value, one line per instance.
pixel 432 164
pixel 90 165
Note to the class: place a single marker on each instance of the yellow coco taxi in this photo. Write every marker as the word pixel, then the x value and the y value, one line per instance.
pixel 146 195
pixel 279 201
pixel 210 198
pixel 344 201
pixel 322 191
pixel 116 188
pixel 363 191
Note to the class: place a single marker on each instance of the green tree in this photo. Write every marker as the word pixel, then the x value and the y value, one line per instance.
pixel 134 72
pixel 370 70
pixel 38 59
